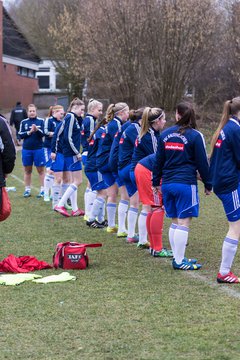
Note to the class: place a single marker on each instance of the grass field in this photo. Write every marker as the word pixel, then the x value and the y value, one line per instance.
pixel 127 305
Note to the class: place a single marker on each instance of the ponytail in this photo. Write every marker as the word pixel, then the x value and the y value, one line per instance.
pixel 224 119
pixel 99 124
pixel 148 117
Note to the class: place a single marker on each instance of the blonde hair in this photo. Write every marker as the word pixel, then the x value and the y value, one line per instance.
pixel 75 102
pixel 230 107
pixel 92 104
pixel 57 108
pixel 31 106
pixel 148 117
pixel 114 109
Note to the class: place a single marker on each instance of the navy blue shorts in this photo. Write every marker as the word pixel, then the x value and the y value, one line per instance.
pixel 96 180
pixel 231 204
pixel 180 200
pixel 124 175
pixel 30 157
pixel 109 177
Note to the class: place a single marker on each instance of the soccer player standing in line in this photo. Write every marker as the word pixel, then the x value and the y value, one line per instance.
pixel 224 169
pixel 181 153
pixel 32 133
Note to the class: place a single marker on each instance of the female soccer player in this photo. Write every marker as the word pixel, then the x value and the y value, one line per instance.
pixel 55 116
pixel 181 153
pixel 71 128
pixel 126 148
pixel 152 204
pixel 117 114
pixel 224 168
pixel 32 133
pixel 94 111
pixel 153 120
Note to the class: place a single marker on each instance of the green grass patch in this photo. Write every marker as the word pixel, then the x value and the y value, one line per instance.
pixel 127 305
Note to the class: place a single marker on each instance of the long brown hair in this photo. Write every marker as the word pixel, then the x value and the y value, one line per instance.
pixel 135 115
pixel 99 124
pixel 230 107
pixel 188 117
pixel 75 102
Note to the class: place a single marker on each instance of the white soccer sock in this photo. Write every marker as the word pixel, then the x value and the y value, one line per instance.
pixel 122 214
pixel 87 190
pixel 73 198
pixel 70 190
pixel 96 209
pixel 101 215
pixel 180 239
pixel 132 220
pixel 111 214
pixel 171 232
pixel 142 227
pixel 229 250
pixel 56 194
pixel 90 197
pixel 48 183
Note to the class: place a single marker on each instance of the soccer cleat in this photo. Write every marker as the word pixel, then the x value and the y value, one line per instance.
pixel 192 261
pixel 85 217
pixel 67 207
pixel 162 253
pixel 40 194
pixel 104 223
pixel 146 245
pixel 78 212
pixel 112 230
pixel 61 210
pixel 95 224
pixel 132 240
pixel 27 193
pixel 229 278
pixel 122 234
pixel 185 265
pixel 46 198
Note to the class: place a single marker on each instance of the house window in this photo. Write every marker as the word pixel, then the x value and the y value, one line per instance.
pixel 26 72
pixel 43 82
pixel 45 69
pixel 31 73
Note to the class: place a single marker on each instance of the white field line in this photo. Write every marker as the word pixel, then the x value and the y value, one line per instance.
pixel 226 289
pixel 22 182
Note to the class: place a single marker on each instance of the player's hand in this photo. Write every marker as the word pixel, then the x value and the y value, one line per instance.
pixel 207 192
pixel 79 157
pixel 157 189
pixel 53 156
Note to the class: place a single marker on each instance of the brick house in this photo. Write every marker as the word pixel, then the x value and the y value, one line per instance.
pixel 18 64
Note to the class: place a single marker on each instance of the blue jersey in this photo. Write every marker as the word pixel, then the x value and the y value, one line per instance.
pixel 225 160
pixel 88 126
pixel 145 146
pixel 126 145
pixel 57 139
pixel 50 125
pixel 148 162
pixel 90 165
pixel 106 141
pixel 180 156
pixel 34 140
pixel 71 135
pixel 113 157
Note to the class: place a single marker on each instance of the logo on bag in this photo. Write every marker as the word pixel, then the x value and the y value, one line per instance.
pixel 74 258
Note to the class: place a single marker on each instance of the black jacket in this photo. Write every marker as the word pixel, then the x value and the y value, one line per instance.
pixel 17 115
pixel 7 151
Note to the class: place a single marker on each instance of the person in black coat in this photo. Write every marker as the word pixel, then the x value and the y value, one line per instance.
pixel 17 115
pixel 7 153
